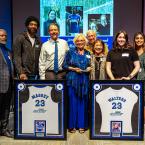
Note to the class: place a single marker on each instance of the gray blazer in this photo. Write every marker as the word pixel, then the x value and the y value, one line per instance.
pixel 4 74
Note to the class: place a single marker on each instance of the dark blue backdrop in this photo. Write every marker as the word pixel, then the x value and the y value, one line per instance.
pixel 6 19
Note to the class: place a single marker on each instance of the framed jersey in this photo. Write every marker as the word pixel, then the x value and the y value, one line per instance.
pixel 117 110
pixel 39 110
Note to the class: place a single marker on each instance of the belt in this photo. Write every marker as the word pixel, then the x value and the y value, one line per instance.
pixel 60 71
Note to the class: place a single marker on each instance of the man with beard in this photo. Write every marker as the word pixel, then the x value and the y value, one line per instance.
pixel 6 73
pixel 26 49
pixel 52 56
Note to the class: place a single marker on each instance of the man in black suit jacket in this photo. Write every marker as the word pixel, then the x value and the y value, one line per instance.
pixel 6 73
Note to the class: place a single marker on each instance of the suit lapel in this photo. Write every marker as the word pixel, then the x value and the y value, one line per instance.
pixel 3 56
pixel 1 53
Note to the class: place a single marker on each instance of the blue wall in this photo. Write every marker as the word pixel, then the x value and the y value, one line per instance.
pixel 6 19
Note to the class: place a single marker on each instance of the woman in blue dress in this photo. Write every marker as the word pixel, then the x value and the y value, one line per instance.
pixel 77 63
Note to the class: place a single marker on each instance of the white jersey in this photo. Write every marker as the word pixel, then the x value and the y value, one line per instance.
pixel 40 107
pixel 116 105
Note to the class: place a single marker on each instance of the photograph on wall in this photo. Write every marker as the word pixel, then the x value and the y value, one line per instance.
pixel 74 17
pixel 117 110
pixel 99 23
pixel 39 110
pixel 51 15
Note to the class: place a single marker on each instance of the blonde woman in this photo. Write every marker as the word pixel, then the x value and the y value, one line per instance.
pixel 77 63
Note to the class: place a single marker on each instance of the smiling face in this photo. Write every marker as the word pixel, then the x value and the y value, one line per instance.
pixel 52 15
pixel 80 43
pixel 121 40
pixel 98 47
pixel 53 31
pixel 3 36
pixel 32 27
pixel 91 36
pixel 139 40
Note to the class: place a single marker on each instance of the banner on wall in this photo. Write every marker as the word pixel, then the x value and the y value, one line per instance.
pixel 39 110
pixel 117 110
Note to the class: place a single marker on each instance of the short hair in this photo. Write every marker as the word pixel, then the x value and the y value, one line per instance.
pixel 91 31
pixel 79 35
pixel 30 19
pixel 53 24
pixel 3 30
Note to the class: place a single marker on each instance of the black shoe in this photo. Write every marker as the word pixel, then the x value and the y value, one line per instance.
pixel 7 133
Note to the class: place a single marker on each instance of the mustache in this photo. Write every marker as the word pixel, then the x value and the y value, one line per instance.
pixel 3 41
pixel 54 33
pixel 32 30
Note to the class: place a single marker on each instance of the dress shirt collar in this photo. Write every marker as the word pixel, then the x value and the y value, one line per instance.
pixel 52 41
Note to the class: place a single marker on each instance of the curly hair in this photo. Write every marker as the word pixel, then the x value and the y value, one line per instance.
pixel 32 18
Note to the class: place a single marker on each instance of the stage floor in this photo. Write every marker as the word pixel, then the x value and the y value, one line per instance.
pixel 72 139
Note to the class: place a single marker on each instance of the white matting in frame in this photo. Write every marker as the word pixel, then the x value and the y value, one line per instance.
pixel 117 110
pixel 39 110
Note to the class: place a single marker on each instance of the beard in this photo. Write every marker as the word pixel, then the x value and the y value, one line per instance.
pixel 32 30
pixel 3 41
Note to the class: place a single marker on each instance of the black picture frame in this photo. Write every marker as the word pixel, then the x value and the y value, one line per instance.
pixel 55 101
pixel 105 114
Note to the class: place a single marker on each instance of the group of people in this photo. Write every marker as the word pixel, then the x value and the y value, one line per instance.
pixel 53 60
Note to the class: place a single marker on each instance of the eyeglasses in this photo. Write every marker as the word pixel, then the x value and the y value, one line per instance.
pixel 3 35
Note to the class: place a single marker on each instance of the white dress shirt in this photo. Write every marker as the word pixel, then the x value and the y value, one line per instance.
pixel 46 59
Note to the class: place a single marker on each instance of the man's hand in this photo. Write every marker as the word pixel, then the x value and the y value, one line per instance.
pixel 23 77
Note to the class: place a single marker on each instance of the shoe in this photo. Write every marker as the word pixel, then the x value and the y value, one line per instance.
pixel 7 133
pixel 81 130
pixel 72 130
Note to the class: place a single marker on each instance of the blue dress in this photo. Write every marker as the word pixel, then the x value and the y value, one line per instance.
pixel 77 84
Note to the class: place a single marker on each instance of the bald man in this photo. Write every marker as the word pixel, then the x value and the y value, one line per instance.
pixel 6 73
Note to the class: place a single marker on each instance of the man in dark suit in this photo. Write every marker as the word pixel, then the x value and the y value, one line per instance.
pixel 6 73
pixel 26 50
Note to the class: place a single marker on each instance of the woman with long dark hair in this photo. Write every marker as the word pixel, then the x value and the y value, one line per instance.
pixel 139 45
pixel 52 18
pixel 122 61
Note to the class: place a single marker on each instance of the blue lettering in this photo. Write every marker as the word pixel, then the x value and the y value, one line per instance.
pixel 117 98
pixel 39 95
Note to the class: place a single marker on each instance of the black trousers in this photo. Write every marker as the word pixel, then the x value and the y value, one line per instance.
pixel 5 100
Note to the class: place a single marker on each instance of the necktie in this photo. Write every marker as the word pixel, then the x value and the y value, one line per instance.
pixel 56 58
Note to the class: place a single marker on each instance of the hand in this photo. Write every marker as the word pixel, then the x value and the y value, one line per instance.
pixel 78 70
pixel 125 78
pixel 23 77
pixel 89 69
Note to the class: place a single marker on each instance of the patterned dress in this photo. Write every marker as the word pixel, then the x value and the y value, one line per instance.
pixel 141 73
pixel 78 84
